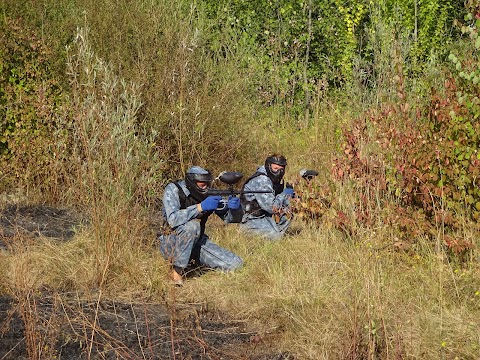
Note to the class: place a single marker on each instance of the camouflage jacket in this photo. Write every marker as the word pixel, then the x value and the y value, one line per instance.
pixel 268 203
pixel 175 216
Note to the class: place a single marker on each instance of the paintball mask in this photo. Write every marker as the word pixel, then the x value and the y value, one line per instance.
pixel 275 176
pixel 197 174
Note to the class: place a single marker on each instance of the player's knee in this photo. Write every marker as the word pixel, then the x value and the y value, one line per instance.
pixel 235 263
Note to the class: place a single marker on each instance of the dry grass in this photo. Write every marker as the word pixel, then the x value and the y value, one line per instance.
pixel 318 294
pixel 325 295
pixel 137 271
pixel 337 299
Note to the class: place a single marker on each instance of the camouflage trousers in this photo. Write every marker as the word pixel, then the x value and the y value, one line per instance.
pixel 186 242
pixel 266 226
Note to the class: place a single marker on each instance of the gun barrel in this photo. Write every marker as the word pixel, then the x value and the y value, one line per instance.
pixel 257 192
pixel 219 192
pixel 215 192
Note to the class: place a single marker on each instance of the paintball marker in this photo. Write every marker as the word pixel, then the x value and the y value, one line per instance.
pixel 231 178
pixel 308 174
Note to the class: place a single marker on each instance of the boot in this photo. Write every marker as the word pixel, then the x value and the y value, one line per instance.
pixel 176 278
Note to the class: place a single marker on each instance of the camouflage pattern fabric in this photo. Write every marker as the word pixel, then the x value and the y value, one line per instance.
pixel 275 216
pixel 186 241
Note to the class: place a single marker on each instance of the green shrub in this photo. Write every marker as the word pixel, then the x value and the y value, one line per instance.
pixel 31 140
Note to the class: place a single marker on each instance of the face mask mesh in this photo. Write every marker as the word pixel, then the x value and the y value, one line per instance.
pixel 275 176
pixel 191 183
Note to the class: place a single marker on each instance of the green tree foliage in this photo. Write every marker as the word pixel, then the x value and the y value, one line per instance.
pixel 294 48
pixel 30 101
pixel 426 27
pixel 300 44
pixel 425 163
pixel 294 43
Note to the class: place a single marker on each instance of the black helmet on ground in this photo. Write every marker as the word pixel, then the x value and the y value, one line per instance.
pixel 194 175
pixel 275 175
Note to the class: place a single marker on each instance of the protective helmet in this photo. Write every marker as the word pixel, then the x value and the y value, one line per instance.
pixel 197 174
pixel 275 176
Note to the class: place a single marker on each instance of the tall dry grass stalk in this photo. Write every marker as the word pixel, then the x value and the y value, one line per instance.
pixel 338 298
pixel 113 164
pixel 319 294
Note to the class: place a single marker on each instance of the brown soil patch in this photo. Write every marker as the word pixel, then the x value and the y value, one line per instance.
pixel 48 325
pixel 37 220
pixel 44 324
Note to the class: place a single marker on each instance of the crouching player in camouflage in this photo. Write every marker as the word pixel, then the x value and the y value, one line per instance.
pixel 186 208
pixel 268 213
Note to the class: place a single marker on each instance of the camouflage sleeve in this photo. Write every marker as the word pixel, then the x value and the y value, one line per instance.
pixel 282 201
pixel 265 200
pixel 171 204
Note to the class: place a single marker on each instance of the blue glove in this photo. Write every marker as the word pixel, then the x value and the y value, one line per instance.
pixel 210 203
pixel 289 192
pixel 233 202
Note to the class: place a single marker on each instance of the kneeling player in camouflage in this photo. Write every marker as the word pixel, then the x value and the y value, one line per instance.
pixel 186 208
pixel 268 213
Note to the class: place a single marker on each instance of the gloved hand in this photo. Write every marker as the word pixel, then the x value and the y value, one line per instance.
pixel 210 203
pixel 289 191
pixel 233 202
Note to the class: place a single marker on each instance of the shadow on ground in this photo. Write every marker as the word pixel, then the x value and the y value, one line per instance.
pixel 45 324
pixel 37 220
pixel 69 327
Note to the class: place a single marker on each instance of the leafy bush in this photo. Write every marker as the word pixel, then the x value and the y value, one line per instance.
pixel 424 163
pixel 30 110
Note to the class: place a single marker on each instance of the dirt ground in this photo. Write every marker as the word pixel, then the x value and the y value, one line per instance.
pixel 37 220
pixel 45 324
pixel 63 326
